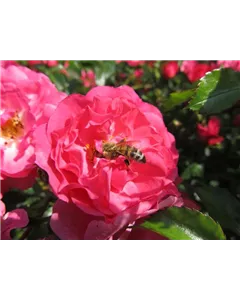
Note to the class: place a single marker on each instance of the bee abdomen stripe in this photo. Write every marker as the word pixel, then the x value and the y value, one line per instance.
pixel 127 150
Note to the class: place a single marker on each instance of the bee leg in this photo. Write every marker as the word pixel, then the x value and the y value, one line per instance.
pixel 127 162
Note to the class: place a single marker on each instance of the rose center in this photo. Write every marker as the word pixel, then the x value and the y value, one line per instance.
pixel 12 128
pixel 91 151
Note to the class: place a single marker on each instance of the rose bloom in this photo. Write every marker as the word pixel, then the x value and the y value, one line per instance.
pixel 42 95
pixel 138 73
pixel 88 78
pixel 233 64
pixel 71 223
pixel 170 69
pixel 210 133
pixel 49 63
pixel 64 69
pixel 195 70
pixel 133 63
pixel 14 219
pixel 98 195
pixel 27 100
pixel 6 63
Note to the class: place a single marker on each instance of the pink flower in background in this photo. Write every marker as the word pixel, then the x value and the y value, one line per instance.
pixel 210 132
pixel 195 70
pixel 138 73
pixel 6 63
pixel 49 63
pixel 233 64
pixel 65 67
pixel 34 88
pixel 107 193
pixel 170 69
pixel 132 63
pixel 32 63
pixel 27 100
pixel 17 149
pixel 14 219
pixel 88 78
pixel 135 63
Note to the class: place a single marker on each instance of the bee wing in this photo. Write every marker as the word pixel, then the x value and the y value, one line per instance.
pixel 122 142
pixel 130 143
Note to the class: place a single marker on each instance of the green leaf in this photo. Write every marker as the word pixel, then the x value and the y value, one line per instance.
pixel 222 206
pixel 193 170
pixel 184 224
pixel 177 98
pixel 217 90
pixel 104 70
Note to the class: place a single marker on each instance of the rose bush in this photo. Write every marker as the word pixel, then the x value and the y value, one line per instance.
pixel 107 189
pixel 91 197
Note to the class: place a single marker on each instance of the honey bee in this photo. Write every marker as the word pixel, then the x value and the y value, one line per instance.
pixel 113 150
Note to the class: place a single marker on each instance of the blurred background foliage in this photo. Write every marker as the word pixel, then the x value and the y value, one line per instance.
pixel 200 164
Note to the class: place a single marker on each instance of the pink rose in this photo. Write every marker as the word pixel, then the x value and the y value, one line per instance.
pixel 27 100
pixel 40 93
pixel 195 70
pixel 135 63
pixel 170 69
pixel 49 63
pixel 14 219
pixel 17 122
pixel 138 73
pixel 88 78
pixel 233 64
pixel 6 63
pixel 108 191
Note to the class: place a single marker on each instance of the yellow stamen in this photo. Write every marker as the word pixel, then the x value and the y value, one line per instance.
pixel 91 150
pixel 12 128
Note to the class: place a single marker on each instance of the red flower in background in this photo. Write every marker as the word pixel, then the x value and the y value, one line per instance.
pixel 50 63
pixel 139 74
pixel 195 70
pixel 210 133
pixel 170 69
pixel 14 219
